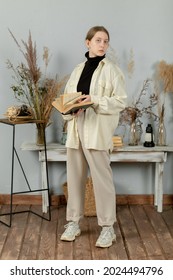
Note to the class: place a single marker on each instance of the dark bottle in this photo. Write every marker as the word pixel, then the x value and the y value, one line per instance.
pixel 149 141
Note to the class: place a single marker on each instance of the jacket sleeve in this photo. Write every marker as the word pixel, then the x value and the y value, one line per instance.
pixel 115 102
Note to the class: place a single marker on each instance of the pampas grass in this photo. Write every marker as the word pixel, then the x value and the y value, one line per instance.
pixel 131 64
pixel 165 74
pixel 32 87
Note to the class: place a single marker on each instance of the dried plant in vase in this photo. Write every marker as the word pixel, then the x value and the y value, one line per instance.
pixel 161 137
pixel 163 84
pixel 32 86
pixel 132 115
pixel 142 105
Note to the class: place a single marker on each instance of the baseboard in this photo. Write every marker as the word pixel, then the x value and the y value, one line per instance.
pixel 60 199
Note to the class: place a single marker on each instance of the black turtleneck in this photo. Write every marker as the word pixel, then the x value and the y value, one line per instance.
pixel 89 68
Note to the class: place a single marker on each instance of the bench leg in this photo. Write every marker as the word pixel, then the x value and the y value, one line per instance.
pixel 158 195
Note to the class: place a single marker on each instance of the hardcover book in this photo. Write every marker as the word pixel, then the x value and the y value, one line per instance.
pixel 70 103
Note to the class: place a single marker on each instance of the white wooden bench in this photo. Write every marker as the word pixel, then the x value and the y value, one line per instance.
pixel 157 155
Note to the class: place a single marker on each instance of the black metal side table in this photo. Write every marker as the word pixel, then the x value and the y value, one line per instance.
pixel 14 153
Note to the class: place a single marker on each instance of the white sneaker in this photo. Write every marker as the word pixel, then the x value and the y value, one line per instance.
pixel 107 236
pixel 72 230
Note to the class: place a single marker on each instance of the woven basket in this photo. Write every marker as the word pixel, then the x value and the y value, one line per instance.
pixel 89 205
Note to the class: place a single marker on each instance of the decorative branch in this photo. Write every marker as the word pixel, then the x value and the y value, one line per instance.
pixel 136 111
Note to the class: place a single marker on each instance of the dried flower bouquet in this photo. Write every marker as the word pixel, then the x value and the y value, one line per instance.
pixel 32 87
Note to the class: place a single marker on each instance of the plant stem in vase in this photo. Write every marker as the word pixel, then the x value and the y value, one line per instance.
pixel 40 134
pixel 161 134
pixel 133 141
pixel 161 129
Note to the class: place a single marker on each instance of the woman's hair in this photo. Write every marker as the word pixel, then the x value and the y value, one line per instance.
pixel 94 30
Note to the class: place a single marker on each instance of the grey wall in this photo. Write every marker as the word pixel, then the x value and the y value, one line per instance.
pixel 144 26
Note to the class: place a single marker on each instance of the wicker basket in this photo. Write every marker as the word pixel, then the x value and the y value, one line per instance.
pixel 89 206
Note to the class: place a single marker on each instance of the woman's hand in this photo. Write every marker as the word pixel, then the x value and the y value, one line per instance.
pixel 79 112
pixel 84 98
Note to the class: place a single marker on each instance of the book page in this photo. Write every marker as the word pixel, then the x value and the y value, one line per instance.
pixel 70 98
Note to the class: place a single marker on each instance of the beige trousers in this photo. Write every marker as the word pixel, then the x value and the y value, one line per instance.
pixel 98 162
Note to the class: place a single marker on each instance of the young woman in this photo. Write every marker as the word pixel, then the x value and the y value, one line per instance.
pixel 89 139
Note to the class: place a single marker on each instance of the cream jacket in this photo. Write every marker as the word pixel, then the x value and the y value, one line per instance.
pixel 107 91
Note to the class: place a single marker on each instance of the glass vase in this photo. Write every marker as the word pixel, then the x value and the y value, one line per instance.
pixel 133 138
pixel 40 134
pixel 161 134
pixel 64 138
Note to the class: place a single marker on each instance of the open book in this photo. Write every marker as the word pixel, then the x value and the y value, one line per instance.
pixel 69 103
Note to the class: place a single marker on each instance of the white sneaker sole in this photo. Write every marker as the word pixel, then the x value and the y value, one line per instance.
pixel 65 238
pixel 106 245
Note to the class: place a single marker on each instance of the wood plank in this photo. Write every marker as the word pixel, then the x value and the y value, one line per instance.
pixel 31 239
pixel 64 249
pixel 47 246
pixel 156 257
pixel 3 229
pixel 133 242
pixel 142 233
pixel 134 199
pixel 11 248
pixel 161 230
pixel 94 229
pixel 146 232
pixel 118 250
pixel 60 199
pixel 82 248
pixel 22 199
pixel 5 209
pixel 167 215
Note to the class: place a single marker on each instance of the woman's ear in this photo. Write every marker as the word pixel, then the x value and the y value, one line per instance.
pixel 87 42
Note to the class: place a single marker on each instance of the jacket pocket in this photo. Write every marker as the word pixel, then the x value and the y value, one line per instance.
pixel 104 88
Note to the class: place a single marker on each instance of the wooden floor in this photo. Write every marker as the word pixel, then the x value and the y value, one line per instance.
pixel 142 233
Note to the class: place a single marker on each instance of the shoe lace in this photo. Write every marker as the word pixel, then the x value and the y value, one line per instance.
pixel 106 231
pixel 70 226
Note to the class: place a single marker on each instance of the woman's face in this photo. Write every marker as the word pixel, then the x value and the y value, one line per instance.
pixel 98 45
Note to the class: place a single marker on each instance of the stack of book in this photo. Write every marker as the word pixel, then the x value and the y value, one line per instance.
pixel 117 141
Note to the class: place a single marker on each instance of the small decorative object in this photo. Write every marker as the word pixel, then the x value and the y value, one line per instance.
pixel 19 113
pixel 133 135
pixel 64 133
pixel 161 134
pixel 149 138
pixel 40 134
pixel 117 141
pixel 63 138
